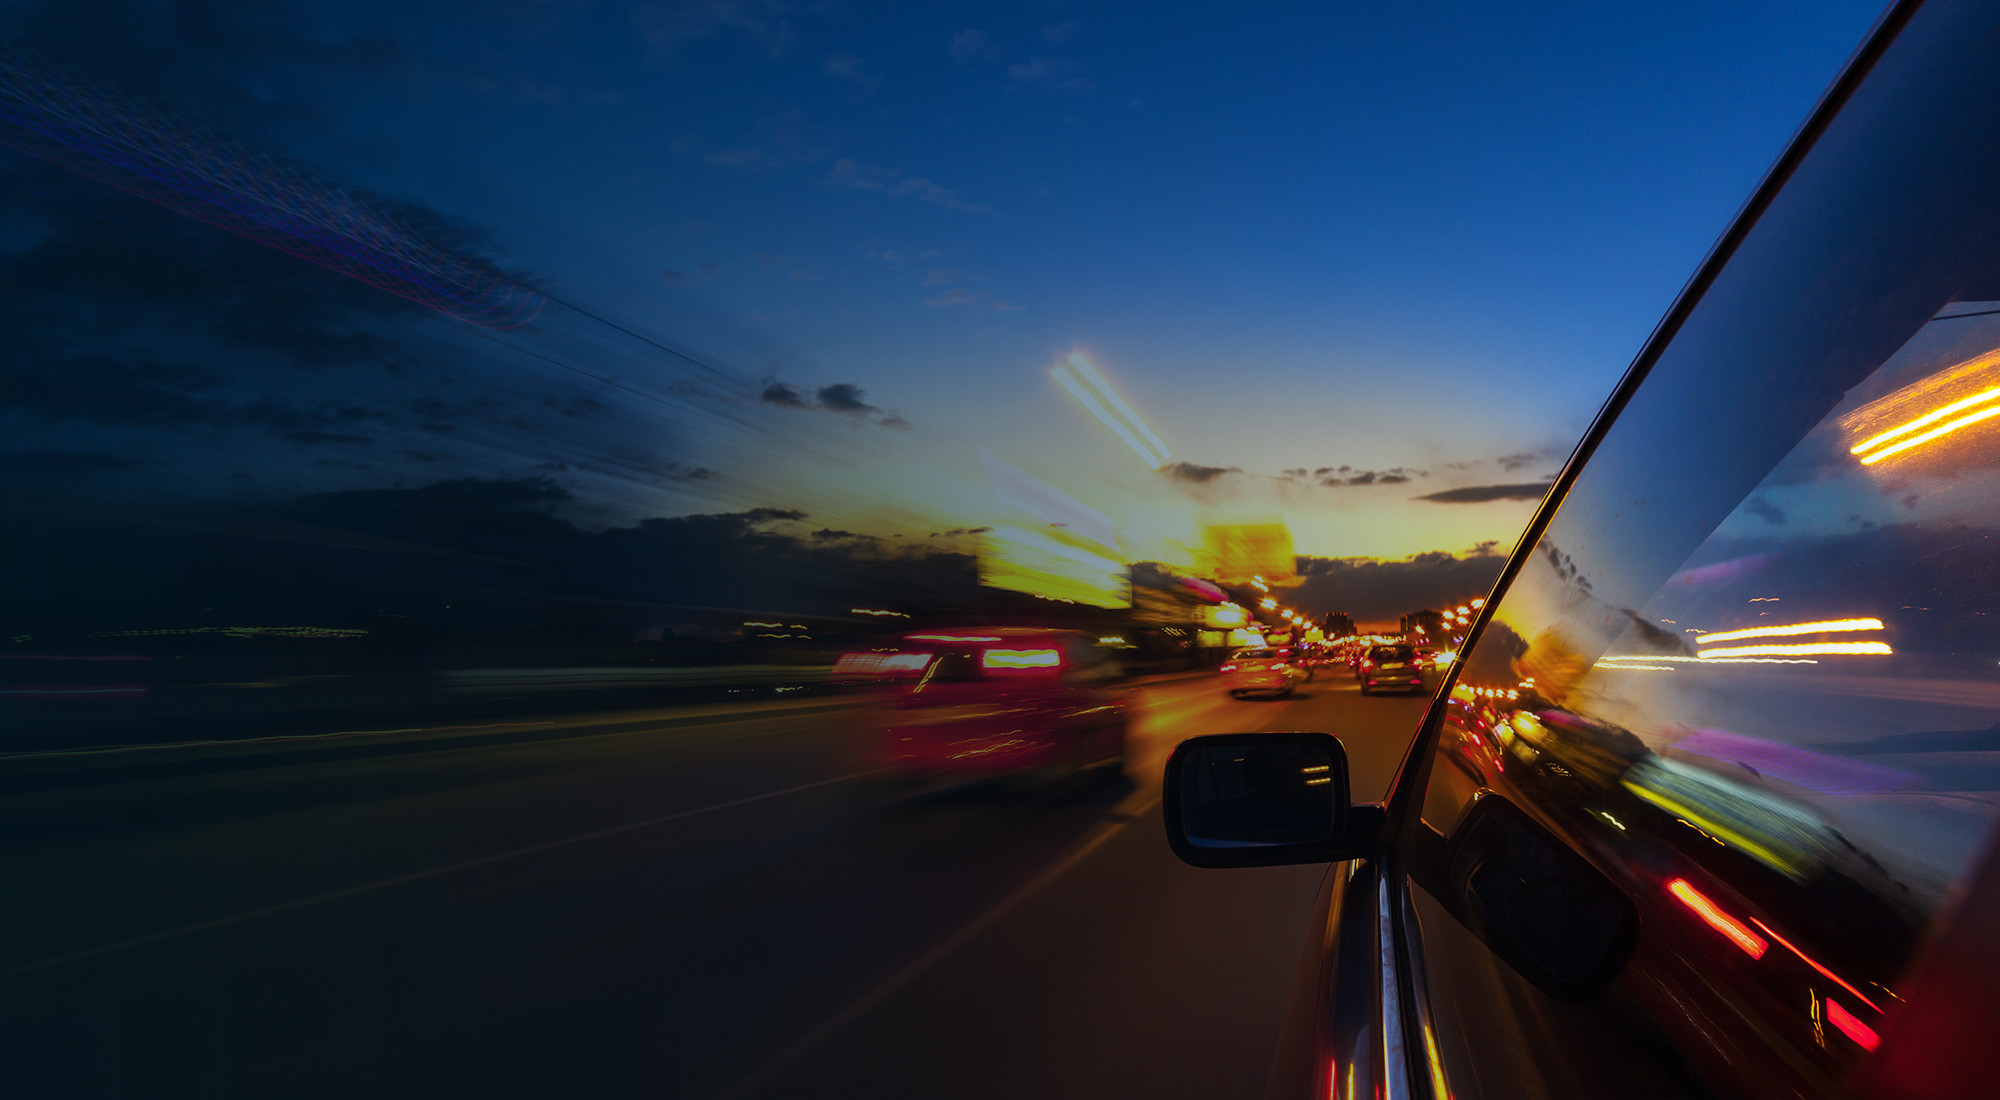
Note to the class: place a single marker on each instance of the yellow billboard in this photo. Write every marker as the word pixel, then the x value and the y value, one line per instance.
pixel 1052 563
pixel 1245 552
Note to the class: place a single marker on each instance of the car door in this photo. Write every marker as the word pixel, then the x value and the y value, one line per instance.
pixel 1722 757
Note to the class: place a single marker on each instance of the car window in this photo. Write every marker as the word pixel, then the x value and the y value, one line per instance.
pixel 1256 654
pixel 1389 653
pixel 1750 667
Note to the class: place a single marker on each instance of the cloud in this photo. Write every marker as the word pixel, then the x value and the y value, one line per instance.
pixel 1059 32
pixel 1058 73
pixel 1513 462
pixel 967 45
pixel 1334 477
pixel 778 393
pixel 1377 590
pixel 845 397
pixel 1197 475
pixel 1761 507
pixel 938 275
pixel 838 398
pixel 1003 305
pixel 846 66
pixel 958 297
pixel 1479 494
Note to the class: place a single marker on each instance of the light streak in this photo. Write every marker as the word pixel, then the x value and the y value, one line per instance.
pixel 1854 1029
pixel 1880 649
pixel 1104 417
pixel 1705 659
pixel 1089 372
pixel 951 638
pixel 1020 658
pixel 1932 417
pixel 1810 961
pixel 1752 944
pixel 1827 627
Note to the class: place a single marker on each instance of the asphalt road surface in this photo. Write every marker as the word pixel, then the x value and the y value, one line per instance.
pixel 695 902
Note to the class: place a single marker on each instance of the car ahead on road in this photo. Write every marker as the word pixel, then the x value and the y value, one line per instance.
pixel 1706 806
pixel 1390 668
pixel 1265 670
pixel 977 702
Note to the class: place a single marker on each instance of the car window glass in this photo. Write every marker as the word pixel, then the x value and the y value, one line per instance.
pixel 1750 668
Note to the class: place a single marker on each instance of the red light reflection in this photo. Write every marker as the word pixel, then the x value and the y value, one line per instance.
pixel 1752 944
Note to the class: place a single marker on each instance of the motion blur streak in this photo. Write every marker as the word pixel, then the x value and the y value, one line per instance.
pixel 1704 659
pixel 1875 648
pixel 1021 658
pixel 1941 430
pixel 1849 1026
pixel 1814 963
pixel 64 120
pixel 1089 371
pixel 1929 418
pixel 1828 626
pixel 1104 417
pixel 1752 944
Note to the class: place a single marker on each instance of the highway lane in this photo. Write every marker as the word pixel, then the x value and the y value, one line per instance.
pixel 675 903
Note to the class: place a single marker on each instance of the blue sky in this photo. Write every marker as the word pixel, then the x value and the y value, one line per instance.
pixel 1424 237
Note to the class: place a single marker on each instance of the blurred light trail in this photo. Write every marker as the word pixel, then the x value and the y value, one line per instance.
pixel 1874 443
pixel 101 135
pixel 1828 627
pixel 1047 503
pixel 1703 660
pixel 1752 944
pixel 1878 649
pixel 1849 1026
pixel 1089 371
pixel 1104 416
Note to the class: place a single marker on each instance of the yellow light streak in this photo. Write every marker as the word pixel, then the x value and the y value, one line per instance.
pixel 1089 372
pixel 1648 658
pixel 1873 648
pixel 1104 416
pixel 1932 417
pixel 1946 429
pixel 1826 627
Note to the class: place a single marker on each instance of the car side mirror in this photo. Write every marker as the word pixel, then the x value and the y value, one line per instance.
pixel 1257 799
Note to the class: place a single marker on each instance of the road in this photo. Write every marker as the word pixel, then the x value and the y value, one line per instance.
pixel 692 902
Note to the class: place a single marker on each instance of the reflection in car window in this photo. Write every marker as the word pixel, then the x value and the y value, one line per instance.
pixel 1750 667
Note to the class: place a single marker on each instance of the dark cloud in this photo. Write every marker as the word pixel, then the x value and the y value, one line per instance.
pixel 423 456
pixel 778 393
pixel 1479 494
pixel 844 397
pixel 1377 590
pixel 1513 462
pixel 1195 474
pixel 1762 508
pixel 1342 476
pixel 314 439
pixel 960 532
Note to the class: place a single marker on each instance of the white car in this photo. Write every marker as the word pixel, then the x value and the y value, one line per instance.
pixel 1269 670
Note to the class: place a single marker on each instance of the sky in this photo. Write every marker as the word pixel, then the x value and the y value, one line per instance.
pixel 1366 269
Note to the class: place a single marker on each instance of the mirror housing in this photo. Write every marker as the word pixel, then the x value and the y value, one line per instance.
pixel 1260 800
pixel 1536 903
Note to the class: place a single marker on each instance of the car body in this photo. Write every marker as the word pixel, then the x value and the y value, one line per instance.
pixel 1390 667
pixel 975 702
pixel 1261 670
pixel 1707 804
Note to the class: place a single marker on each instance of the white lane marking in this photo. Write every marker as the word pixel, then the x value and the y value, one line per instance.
pixel 414 876
pixel 768 1072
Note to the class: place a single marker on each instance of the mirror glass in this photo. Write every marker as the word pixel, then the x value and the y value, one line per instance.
pixel 1250 794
